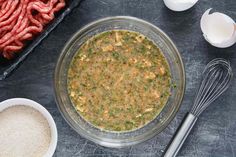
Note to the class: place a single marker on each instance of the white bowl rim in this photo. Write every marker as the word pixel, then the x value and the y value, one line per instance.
pixel 27 102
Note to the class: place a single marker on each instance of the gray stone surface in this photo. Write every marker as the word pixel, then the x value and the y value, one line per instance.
pixel 215 132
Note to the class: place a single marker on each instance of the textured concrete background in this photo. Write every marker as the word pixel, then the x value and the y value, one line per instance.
pixel 214 134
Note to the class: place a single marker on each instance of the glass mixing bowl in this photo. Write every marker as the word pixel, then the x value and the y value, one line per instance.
pixel 119 139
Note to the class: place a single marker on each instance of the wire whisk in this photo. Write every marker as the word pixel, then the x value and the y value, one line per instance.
pixel 216 79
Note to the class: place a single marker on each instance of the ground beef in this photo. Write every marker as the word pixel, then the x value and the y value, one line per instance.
pixel 22 20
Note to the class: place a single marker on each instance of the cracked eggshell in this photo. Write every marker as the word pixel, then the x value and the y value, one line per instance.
pixel 218 29
pixel 180 5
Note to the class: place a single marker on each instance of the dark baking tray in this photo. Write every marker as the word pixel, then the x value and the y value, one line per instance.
pixel 8 66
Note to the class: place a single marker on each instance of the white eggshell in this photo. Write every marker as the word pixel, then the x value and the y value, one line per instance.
pixel 179 5
pixel 218 29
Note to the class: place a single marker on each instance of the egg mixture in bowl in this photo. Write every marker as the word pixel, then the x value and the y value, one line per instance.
pixel 119 81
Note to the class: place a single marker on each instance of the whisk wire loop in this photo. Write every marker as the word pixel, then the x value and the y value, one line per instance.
pixel 216 78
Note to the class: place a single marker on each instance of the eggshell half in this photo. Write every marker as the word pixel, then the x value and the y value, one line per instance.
pixel 218 29
pixel 180 5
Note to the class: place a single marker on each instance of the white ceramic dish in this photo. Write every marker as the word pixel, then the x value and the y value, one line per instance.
pixel 22 101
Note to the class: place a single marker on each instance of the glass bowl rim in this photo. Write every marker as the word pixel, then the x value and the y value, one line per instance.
pixel 69 43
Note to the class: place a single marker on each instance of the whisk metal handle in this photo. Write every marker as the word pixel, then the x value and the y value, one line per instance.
pixel 181 136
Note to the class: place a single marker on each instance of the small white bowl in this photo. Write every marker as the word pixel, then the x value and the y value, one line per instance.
pixel 27 102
